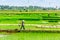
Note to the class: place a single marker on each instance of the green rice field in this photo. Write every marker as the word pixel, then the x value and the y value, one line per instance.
pixel 44 18
pixel 30 36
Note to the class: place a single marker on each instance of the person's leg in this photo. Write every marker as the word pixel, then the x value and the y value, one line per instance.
pixel 23 28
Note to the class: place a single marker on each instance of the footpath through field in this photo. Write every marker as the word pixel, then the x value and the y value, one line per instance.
pixel 32 28
pixel 36 25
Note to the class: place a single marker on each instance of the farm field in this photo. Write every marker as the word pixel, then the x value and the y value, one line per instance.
pixel 33 21
pixel 34 18
pixel 30 36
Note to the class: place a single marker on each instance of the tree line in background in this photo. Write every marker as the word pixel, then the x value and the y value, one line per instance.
pixel 25 8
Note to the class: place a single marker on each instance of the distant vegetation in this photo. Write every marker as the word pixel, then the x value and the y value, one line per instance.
pixel 25 8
